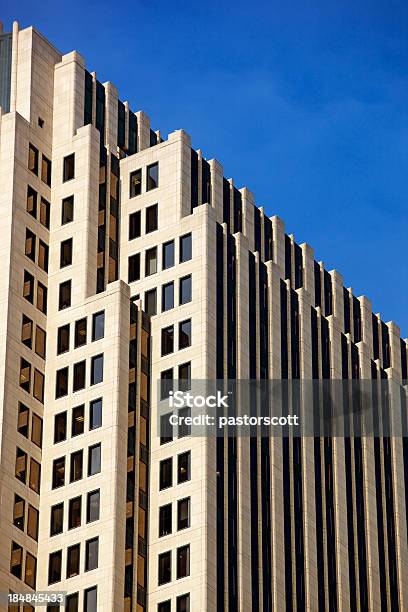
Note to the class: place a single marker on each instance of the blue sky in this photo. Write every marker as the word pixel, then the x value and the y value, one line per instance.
pixel 304 102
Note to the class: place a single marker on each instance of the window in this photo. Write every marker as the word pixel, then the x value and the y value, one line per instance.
pixel 31 202
pixel 134 225
pixel 79 376
pixel 33 159
pixel 185 334
pixel 36 430
pixel 35 475
pixel 16 560
pixel 185 248
pixel 30 570
pixel 166 429
pixel 96 369
pixel 54 567
pixel 42 298
pixel 152 177
pixel 22 420
pixel 80 332
pixel 63 339
pixel 65 295
pixel 134 268
pixel 183 561
pixel 18 512
pixel 93 506
pixel 164 606
pixel 183 467
pixel 151 302
pixel 58 472
pixel 57 519
pixel 43 255
pixel 151 261
pixel 30 244
pixel 27 331
pixel 40 341
pixel 167 340
pixel 185 290
pixel 166 473
pixel 184 374
pixel 73 553
pixel 95 414
pixel 164 520
pixel 94 459
pixel 91 554
pixel 60 427
pixel 165 567
pixel 167 296
pixel 183 513
pixel 45 213
pixel 28 289
pixel 90 599
pixel 68 168
pixel 168 254
pixel 183 603
pixel 135 183
pixel 76 466
pixel 74 512
pixel 66 253
pixel 166 383
pixel 38 389
pixel 67 210
pixel 78 420
pixel 25 375
pixel 151 218
pixel 98 326
pixel 72 603
pixel 61 385
pixel 32 522
pixel 46 171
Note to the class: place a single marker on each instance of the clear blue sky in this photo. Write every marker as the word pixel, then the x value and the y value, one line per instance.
pixel 304 102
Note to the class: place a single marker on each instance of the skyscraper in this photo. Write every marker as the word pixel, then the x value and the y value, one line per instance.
pixel 129 259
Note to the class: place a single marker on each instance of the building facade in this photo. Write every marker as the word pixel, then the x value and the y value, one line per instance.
pixel 127 259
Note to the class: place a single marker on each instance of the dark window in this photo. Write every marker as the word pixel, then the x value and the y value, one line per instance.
pixel 164 606
pixel 28 289
pixel 42 298
pixel 98 325
pixel 36 430
pixel 164 520
pixel 151 218
pixel 151 261
pixel 67 210
pixel 57 519
pixel 183 513
pixel 95 414
pixel 30 244
pixel 30 570
pixel 79 376
pixel 76 466
pixel 43 255
pixel 90 599
pixel 46 170
pixel 66 253
pixel 73 560
pixel 27 331
pixel 151 302
pixel 21 465
pixel 152 177
pixel 54 567
pixel 91 554
pixel 94 459
pixel 18 512
pixel 58 472
pixel 65 295
pixel 35 474
pixel 74 512
pixel 183 467
pixel 80 332
pixel 185 290
pixel 135 187
pixel 63 339
pixel 38 387
pixel 31 206
pixel 166 383
pixel 185 334
pixel 183 603
pixel 32 522
pixel 183 561
pixel 167 340
pixel 72 604
pixel 184 374
pixel 16 560
pixel 166 473
pixel 96 369
pixel 165 567
pixel 40 341
pixel 33 159
pixel 134 268
pixel 166 429
pixel 168 254
pixel 184 429
pixel 69 168
pixel 60 427
pixel 22 420
pixel 185 248
pixel 78 420
pixel 25 375
pixel 134 225
pixel 61 385
pixel 168 296
pixel 93 506
pixel 45 213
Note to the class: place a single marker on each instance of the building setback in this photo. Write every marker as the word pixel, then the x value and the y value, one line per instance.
pixel 128 259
